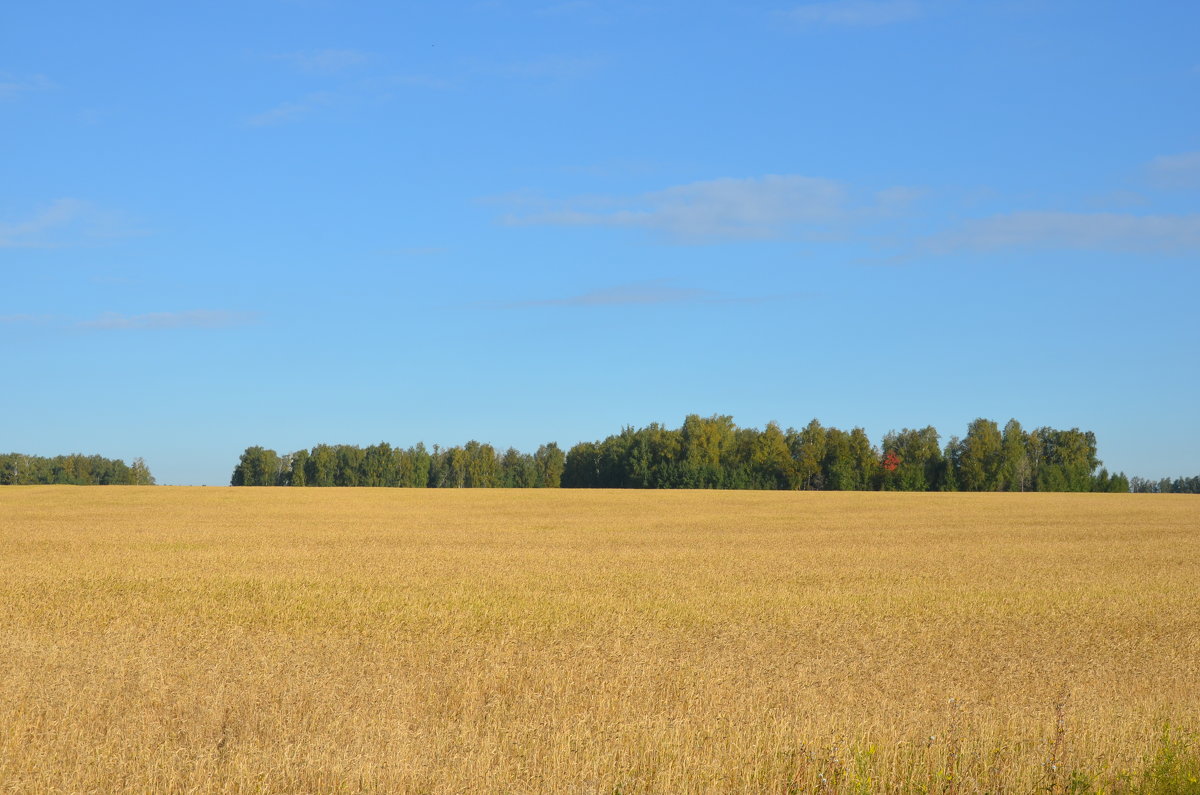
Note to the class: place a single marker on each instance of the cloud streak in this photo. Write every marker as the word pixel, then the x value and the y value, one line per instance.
pixel 856 13
pixel 635 294
pixel 12 86
pixel 291 111
pixel 1176 171
pixel 730 208
pixel 325 61
pixel 1116 232
pixel 23 320
pixel 555 67
pixel 195 318
pixel 64 222
pixel 655 292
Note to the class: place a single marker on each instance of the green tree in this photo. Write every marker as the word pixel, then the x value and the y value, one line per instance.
pixel 866 460
pixel 1016 468
pixel 296 468
pixel 258 466
pixel 481 469
pixel 140 473
pixel 415 467
pixel 981 458
pixel 808 453
pixel 350 459
pixel 320 469
pixel 549 463
pixel 517 470
pixel 921 465
pixel 1065 459
pixel 582 467
pixel 771 460
pixel 707 446
pixel 379 466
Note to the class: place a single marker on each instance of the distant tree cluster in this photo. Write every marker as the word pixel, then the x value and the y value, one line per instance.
pixel 714 453
pixel 17 469
pixel 1165 486
pixel 472 465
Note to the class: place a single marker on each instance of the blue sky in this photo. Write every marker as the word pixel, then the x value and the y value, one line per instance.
pixel 285 222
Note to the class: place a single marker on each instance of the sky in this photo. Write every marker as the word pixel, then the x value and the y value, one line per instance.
pixel 291 222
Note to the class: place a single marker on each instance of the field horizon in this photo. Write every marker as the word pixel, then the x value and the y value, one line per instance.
pixel 217 639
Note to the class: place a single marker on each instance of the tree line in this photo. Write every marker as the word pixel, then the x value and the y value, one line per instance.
pixel 1165 485
pixel 17 469
pixel 714 453
pixel 472 465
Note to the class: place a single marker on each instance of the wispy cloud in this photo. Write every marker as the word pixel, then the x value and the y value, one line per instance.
pixel 1176 171
pixel 22 320
pixel 757 207
pixel 13 85
pixel 569 7
pixel 638 293
pixel 646 293
pixel 1116 199
pixel 555 67
pixel 856 13
pixel 64 222
pixel 291 111
pixel 325 61
pixel 1118 232
pixel 411 251
pixel 422 81
pixel 195 318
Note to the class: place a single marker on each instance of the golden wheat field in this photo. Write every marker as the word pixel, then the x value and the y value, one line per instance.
pixel 351 640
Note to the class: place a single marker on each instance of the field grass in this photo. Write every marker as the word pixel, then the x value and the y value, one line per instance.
pixel 328 640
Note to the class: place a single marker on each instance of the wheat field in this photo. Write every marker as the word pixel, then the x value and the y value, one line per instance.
pixel 351 640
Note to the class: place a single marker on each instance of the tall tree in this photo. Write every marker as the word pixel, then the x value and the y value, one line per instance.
pixel 1066 459
pixel 258 466
pixel 919 460
pixel 140 473
pixel 549 463
pixel 981 457
pixel 582 467
pixel 1016 468
pixel 297 462
pixel 771 460
pixel 320 469
pixel 808 452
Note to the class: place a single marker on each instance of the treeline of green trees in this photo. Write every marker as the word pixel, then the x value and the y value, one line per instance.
pixel 714 453
pixel 17 469
pixel 1165 486
pixel 472 465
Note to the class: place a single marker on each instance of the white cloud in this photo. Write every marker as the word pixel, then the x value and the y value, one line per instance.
pixel 291 111
pixel 14 320
pixel 422 81
pixel 325 61
pixel 1176 171
pixel 411 251
pixel 555 67
pixel 857 13
pixel 1171 234
pixel 757 207
pixel 899 199
pixel 64 222
pixel 644 293
pixel 11 85
pixel 569 7
pixel 1117 199
pixel 196 318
